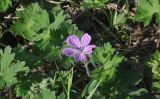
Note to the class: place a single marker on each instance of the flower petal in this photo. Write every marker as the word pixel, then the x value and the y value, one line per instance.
pixel 74 41
pixel 85 40
pixel 80 57
pixel 70 51
pixel 88 49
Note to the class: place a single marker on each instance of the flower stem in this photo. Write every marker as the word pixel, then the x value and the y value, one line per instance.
pixel 87 69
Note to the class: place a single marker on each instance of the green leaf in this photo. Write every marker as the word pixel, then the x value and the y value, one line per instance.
pixel 2 82
pixel 154 63
pixel 156 87
pixel 120 19
pixel 46 94
pixel 146 9
pixel 4 5
pixel 91 88
pixel 22 89
pixel 32 20
pixel 52 38
pixel 138 92
pixel 67 62
pixel 105 56
pixel 9 68
pixel 91 93
pixel 31 59
pixel 61 96
pixel 34 89
pixel 43 39
pixel 58 19
pixel 93 3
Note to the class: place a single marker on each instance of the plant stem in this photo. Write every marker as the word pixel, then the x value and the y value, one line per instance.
pixel 10 93
pixel 87 69
pixel 42 4
pixel 70 78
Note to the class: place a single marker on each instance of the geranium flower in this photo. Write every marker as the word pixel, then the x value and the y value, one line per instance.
pixel 79 48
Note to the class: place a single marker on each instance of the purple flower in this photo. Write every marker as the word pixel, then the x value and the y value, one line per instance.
pixel 79 49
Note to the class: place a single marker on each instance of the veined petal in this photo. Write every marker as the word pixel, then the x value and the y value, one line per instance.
pixel 80 57
pixel 88 49
pixel 74 41
pixel 85 40
pixel 70 51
